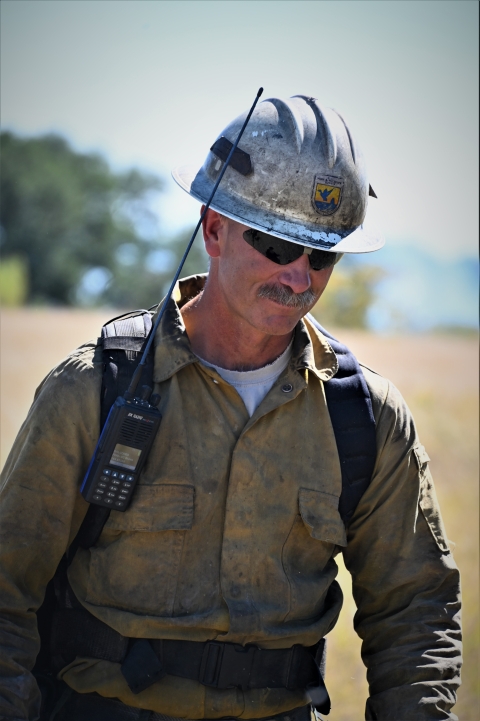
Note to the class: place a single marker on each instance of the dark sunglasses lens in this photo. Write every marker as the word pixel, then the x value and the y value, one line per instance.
pixel 284 252
pixel 320 259
pixel 275 249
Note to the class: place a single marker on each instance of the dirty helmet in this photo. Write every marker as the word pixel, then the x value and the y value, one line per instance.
pixel 297 174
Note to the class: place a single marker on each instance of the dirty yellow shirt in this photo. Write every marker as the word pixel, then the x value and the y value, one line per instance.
pixel 231 535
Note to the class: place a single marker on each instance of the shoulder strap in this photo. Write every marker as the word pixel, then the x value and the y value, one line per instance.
pixel 122 340
pixel 351 413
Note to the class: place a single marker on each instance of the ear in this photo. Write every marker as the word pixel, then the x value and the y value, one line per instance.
pixel 214 227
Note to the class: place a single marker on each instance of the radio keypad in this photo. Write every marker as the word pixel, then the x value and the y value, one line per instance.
pixel 114 488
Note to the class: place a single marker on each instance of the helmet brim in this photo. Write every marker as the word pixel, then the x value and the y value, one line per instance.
pixel 364 239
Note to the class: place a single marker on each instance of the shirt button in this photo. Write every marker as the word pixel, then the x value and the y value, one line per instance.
pixel 287 388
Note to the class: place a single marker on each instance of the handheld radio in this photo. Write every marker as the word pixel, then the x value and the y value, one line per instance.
pixel 134 420
pixel 121 451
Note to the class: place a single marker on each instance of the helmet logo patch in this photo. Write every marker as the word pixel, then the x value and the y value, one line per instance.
pixel 327 194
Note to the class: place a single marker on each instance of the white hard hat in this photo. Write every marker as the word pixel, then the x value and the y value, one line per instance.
pixel 296 174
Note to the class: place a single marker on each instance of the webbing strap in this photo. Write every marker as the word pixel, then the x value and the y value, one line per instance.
pixel 123 340
pixel 351 413
pixel 136 324
pixel 123 343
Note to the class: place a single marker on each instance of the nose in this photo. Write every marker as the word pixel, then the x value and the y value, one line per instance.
pixel 297 274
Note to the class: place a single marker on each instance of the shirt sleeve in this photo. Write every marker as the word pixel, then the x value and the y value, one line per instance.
pixel 40 512
pixel 405 581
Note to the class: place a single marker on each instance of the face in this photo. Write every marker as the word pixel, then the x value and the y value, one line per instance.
pixel 251 287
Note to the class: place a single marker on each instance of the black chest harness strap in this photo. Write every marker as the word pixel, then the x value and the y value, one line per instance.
pixel 350 408
pixel 75 632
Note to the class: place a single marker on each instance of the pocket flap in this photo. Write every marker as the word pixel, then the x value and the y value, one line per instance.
pixel 320 514
pixel 422 456
pixel 428 502
pixel 166 507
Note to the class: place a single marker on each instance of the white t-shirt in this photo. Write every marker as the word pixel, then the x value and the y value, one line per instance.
pixel 253 386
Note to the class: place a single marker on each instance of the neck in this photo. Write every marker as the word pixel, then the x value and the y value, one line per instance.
pixel 221 338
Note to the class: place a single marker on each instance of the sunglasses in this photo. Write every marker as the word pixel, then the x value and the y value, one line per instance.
pixel 284 252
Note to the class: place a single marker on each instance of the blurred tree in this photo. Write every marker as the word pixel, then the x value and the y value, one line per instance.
pixel 13 281
pixel 142 277
pixel 87 234
pixel 349 295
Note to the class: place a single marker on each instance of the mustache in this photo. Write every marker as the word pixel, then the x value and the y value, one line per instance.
pixel 285 296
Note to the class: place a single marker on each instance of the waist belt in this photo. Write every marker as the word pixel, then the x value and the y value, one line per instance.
pixel 218 665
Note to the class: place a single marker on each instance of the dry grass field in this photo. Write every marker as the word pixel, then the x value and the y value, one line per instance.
pixel 438 375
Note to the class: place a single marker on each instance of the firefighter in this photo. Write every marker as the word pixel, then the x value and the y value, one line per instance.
pixel 210 597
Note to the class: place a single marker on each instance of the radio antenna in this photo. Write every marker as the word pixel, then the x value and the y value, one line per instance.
pixel 138 371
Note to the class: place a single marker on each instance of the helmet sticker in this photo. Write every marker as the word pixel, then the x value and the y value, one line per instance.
pixel 327 194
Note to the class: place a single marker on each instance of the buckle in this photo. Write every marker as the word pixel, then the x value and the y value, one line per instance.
pixel 226 665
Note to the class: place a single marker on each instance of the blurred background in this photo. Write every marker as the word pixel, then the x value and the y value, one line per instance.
pixel 101 99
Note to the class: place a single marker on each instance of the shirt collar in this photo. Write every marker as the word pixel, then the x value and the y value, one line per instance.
pixel 310 349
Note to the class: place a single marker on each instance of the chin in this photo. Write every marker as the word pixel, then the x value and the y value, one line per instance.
pixel 279 325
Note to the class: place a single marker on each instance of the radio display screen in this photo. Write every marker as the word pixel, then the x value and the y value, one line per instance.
pixel 125 457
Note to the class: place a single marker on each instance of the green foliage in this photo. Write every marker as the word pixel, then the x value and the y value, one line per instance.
pixel 348 296
pixel 87 234
pixel 141 279
pixel 13 281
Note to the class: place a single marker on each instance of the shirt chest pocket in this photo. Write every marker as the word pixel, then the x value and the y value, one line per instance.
pixel 166 507
pixel 319 512
pixel 136 562
pixel 307 554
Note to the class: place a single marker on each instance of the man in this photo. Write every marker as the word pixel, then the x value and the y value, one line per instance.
pixel 210 596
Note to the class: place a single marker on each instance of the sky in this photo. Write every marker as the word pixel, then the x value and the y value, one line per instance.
pixel 152 84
